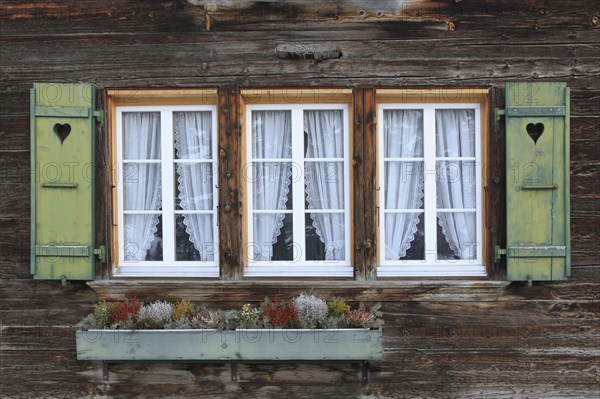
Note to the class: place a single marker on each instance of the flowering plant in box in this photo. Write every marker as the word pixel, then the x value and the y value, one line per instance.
pixel 305 311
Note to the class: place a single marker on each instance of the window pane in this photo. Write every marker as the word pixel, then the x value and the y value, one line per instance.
pixel 404 183
pixel 273 237
pixel 456 184
pixel 141 135
pixel 193 135
pixel 271 134
pixel 142 185
pixel 143 238
pixel 324 134
pixel 325 236
pixel 194 237
pixel 194 187
pixel 457 236
pixel 404 236
pixel 403 133
pixel 455 132
pixel 271 184
pixel 324 185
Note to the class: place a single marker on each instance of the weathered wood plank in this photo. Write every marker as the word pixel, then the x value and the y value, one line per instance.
pixel 230 185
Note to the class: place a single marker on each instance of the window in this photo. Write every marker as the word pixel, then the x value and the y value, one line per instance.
pixel 166 196
pixel 430 189
pixel 297 190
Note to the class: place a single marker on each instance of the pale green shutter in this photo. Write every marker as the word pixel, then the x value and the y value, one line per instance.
pixel 62 187
pixel 537 181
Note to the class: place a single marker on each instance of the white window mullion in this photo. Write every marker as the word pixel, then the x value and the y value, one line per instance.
pixel 168 202
pixel 249 170
pixel 299 230
pixel 430 185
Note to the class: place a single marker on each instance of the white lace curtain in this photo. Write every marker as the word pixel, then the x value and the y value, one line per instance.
pixel 403 132
pixel 455 137
pixel 142 182
pixel 325 180
pixel 271 180
pixel 193 136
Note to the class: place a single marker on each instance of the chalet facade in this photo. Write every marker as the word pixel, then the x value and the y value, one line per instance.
pixel 437 157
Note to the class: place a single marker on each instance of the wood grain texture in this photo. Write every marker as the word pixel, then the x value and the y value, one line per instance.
pixel 539 341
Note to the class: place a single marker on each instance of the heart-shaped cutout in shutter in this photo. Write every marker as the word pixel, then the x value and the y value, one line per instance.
pixel 62 131
pixel 535 131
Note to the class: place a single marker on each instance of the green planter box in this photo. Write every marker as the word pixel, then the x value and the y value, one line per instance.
pixel 238 345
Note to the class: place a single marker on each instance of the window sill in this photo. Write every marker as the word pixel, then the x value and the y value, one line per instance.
pixel 256 290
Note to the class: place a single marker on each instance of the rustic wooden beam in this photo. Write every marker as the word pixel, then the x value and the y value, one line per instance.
pixel 229 181
pixel 256 290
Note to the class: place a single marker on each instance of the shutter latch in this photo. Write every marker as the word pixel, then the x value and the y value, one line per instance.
pixel 101 252
pixel 497 113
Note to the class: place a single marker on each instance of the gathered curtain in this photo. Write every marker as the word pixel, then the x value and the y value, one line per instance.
pixel 142 182
pixel 193 140
pixel 455 137
pixel 324 180
pixel 271 180
pixel 403 132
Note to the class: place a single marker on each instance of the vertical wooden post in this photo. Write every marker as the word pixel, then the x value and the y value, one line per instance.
pixel 495 186
pixel 364 169
pixel 229 181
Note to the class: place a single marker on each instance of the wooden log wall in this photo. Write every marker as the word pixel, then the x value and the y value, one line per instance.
pixel 529 342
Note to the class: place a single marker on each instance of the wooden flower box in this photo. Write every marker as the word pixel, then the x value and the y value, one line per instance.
pixel 233 346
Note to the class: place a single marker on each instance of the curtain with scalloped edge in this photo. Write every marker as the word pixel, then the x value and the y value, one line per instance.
pixel 403 138
pixel 270 179
pixel 142 181
pixel 325 178
pixel 193 141
pixel 455 137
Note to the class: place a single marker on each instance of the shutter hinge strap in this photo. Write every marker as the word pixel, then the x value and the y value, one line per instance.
pixel 99 115
pixel 498 252
pixel 101 252
pixel 497 113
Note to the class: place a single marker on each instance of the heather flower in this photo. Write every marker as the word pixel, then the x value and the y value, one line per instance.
pixel 312 310
pixel 182 309
pixel 279 313
pixel 249 316
pixel 155 314
pixel 359 319
pixel 102 312
pixel 337 307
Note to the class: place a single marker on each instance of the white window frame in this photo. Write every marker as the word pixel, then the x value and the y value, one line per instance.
pixel 430 266
pixel 168 267
pixel 299 267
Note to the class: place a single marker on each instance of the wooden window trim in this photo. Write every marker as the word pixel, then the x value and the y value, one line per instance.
pixel 230 190
pixel 456 95
pixel 294 97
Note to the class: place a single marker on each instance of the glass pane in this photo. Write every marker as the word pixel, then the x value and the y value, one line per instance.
pixel 271 134
pixel 270 246
pixel 455 132
pixel 194 237
pixel 324 185
pixel 141 135
pixel 456 185
pixel 403 133
pixel 194 187
pixel 404 183
pixel 404 236
pixel 271 185
pixel 457 236
pixel 324 131
pixel 325 236
pixel 193 135
pixel 142 186
pixel 142 242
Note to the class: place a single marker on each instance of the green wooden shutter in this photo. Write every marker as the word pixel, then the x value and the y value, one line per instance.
pixel 62 187
pixel 537 182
